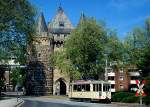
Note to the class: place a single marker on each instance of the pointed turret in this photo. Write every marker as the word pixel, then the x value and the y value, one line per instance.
pixel 41 24
pixel 60 9
pixel 82 18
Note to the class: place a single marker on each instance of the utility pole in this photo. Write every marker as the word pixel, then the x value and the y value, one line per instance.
pixel 106 72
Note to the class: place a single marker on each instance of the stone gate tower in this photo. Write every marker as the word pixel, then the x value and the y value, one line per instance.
pixel 40 75
pixel 41 79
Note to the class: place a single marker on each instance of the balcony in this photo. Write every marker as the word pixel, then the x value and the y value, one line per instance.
pixel 134 73
pixel 111 74
pixel 113 90
pixel 111 81
pixel 132 82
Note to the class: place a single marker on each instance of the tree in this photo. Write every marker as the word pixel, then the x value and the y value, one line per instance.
pixel 16 29
pixel 61 62
pixel 18 77
pixel 144 63
pixel 114 48
pixel 84 48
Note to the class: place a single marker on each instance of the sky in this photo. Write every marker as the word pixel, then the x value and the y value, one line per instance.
pixel 119 15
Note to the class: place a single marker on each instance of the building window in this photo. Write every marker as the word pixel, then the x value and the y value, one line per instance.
pixel 121 87
pixel 58 35
pixel 39 55
pixel 61 24
pixel 112 86
pixel 65 35
pixel 111 78
pixel 121 78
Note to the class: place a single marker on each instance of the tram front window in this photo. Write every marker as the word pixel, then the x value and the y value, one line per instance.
pixel 97 87
pixel 106 87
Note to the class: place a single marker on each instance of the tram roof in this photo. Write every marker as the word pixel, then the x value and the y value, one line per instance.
pixel 90 82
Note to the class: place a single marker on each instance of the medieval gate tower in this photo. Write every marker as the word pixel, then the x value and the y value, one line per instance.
pixel 41 79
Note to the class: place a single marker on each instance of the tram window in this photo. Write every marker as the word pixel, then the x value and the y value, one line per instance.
pixel 105 87
pixel 87 87
pixel 100 87
pixel 83 88
pixel 95 87
pixel 78 87
pixel 75 88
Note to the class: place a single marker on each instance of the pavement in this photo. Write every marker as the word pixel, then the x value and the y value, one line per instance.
pixel 56 101
pixel 11 102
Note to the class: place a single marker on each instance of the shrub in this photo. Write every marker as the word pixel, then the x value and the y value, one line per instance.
pixel 130 99
pixel 117 97
pixel 124 97
pixel 146 100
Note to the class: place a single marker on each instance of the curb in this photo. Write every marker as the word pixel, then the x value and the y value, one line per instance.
pixel 20 103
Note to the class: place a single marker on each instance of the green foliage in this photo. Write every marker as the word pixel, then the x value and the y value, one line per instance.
pixel 114 47
pixel 16 27
pixel 144 63
pixel 117 97
pixel 146 100
pixel 18 76
pixel 130 99
pixel 61 62
pixel 85 46
pixel 124 97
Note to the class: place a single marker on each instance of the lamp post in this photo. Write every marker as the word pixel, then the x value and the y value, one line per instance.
pixel 106 67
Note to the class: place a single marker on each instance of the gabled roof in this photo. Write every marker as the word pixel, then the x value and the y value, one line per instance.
pixel 60 17
pixel 41 24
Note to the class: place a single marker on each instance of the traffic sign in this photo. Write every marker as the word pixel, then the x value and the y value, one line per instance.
pixel 140 91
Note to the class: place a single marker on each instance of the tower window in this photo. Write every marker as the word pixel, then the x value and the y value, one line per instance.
pixel 39 55
pixel 61 24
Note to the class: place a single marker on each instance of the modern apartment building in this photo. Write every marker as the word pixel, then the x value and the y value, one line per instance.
pixel 122 79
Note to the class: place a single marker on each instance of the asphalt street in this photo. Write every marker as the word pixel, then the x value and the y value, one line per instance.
pixel 29 103
pixel 45 102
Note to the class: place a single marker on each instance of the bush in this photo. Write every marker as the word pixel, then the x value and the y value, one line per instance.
pixel 146 100
pixel 124 97
pixel 130 99
pixel 117 97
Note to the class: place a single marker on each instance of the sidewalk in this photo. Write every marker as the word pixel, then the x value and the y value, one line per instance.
pixel 11 102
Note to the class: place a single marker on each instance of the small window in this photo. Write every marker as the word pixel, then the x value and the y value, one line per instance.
pixel 112 86
pixel 100 87
pixel 78 87
pixel 75 88
pixel 83 88
pixel 121 78
pixel 87 87
pixel 106 87
pixel 39 55
pixel 61 24
pixel 58 35
pixel 65 35
pixel 121 87
pixel 111 78
pixel 95 87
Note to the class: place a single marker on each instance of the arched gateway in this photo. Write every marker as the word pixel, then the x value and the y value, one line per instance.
pixel 60 87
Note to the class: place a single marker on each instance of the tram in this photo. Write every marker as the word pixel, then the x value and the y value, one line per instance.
pixel 90 90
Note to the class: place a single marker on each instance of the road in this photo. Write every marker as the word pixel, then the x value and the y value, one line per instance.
pixel 46 102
